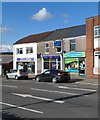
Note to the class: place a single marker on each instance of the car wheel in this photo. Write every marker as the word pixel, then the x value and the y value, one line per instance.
pixel 54 80
pixel 7 77
pixel 37 79
pixel 16 77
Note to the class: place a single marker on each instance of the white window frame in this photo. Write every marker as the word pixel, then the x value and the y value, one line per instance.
pixel 30 50
pixel 72 43
pixel 19 50
pixel 46 48
pixel 58 47
pixel 97 29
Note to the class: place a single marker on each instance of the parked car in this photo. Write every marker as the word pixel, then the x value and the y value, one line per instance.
pixel 53 76
pixel 17 74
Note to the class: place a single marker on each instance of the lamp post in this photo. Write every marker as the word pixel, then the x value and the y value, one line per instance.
pixel 61 55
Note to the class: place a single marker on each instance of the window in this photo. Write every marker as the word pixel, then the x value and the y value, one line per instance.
pixel 72 45
pixel 19 51
pixel 97 31
pixel 46 63
pixel 47 72
pixel 29 50
pixel 58 49
pixel 97 54
pixel 47 48
pixel 57 45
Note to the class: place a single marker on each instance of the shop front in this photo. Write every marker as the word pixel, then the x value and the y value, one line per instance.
pixel 75 62
pixel 26 63
pixel 51 62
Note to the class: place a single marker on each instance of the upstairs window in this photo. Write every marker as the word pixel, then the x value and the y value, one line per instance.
pixel 72 45
pixel 47 48
pixel 29 50
pixel 96 31
pixel 19 50
pixel 57 45
pixel 58 49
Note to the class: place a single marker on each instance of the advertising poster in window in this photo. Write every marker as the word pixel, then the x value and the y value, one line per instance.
pixel 72 65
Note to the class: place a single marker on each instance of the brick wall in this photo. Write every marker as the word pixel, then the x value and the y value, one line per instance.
pixel 90 23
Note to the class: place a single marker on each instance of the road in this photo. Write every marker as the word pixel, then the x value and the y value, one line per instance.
pixel 31 99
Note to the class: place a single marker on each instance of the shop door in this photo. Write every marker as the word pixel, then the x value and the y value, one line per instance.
pixel 82 66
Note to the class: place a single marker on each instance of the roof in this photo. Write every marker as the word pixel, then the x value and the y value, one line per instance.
pixel 54 35
pixel 66 33
pixel 4 53
pixel 6 58
pixel 33 38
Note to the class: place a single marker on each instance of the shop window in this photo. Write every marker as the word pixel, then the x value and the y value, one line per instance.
pixel 97 31
pixel 47 48
pixel 19 50
pixel 46 63
pixel 29 50
pixel 72 45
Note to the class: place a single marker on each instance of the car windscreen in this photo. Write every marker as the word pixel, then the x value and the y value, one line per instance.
pixel 22 70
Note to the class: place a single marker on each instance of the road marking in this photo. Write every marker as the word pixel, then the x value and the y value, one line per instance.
pixel 65 87
pixel 40 98
pixel 9 86
pixel 23 108
pixel 54 91
pixel 87 83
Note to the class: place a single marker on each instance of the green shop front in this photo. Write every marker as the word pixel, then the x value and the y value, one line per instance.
pixel 75 62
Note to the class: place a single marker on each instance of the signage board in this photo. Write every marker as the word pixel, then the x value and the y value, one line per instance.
pixel 74 54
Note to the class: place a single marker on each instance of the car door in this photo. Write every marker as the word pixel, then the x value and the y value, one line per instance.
pixel 46 76
pixel 13 74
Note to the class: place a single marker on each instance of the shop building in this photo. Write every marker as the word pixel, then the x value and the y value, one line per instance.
pixel 75 63
pixel 93 47
pixel 75 49
pixel 6 62
pixel 67 40
pixel 25 52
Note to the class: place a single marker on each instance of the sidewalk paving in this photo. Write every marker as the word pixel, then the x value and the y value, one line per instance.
pixel 83 79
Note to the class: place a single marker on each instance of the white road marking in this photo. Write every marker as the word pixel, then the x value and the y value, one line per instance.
pixel 23 108
pixel 9 86
pixel 54 91
pixel 40 98
pixel 65 87
pixel 87 83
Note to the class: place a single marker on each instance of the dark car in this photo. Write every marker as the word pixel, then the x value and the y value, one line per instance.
pixel 53 76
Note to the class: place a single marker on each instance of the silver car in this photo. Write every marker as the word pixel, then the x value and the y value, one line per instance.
pixel 17 74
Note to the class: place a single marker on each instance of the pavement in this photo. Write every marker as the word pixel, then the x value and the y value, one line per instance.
pixel 83 79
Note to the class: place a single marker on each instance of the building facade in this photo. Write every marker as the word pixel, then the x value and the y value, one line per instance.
pixel 75 49
pixel 25 54
pixel 75 56
pixel 93 47
pixel 53 47
pixel 6 62
pixel 25 57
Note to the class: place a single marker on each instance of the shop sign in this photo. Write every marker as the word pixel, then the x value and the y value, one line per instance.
pixel 51 57
pixel 57 43
pixel 74 54
pixel 25 59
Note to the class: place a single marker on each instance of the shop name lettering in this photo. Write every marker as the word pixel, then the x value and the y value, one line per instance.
pixel 25 59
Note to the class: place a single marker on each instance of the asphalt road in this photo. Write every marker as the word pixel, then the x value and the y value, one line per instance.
pixel 31 99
